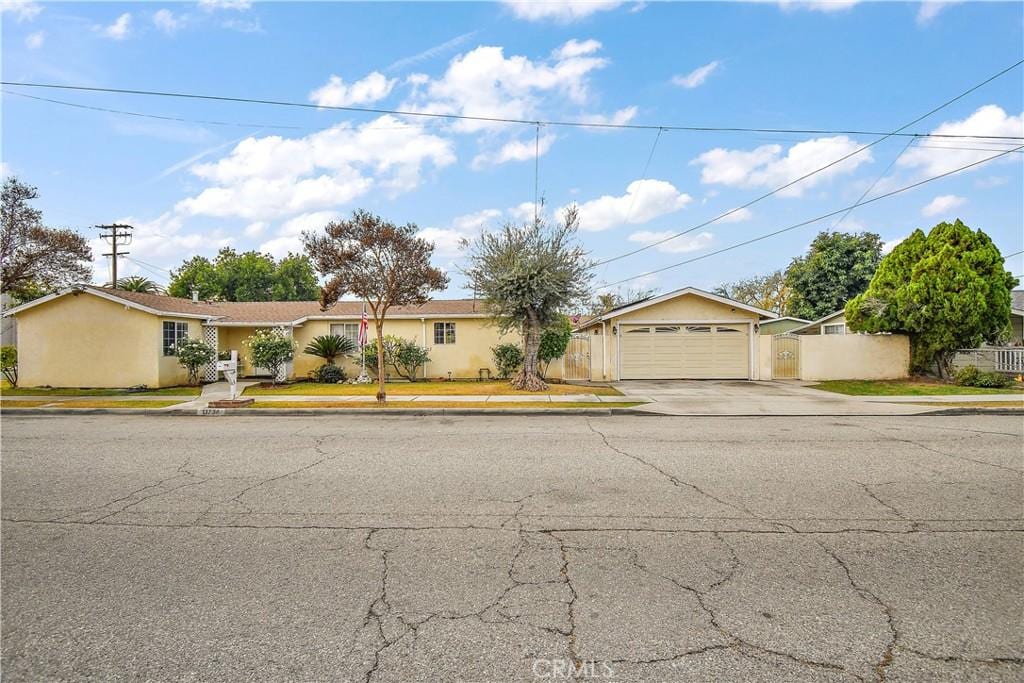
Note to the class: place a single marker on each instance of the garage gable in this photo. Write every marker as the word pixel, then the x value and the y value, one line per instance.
pixel 688 307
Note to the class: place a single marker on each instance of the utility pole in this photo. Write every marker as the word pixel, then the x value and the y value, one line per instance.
pixel 116 235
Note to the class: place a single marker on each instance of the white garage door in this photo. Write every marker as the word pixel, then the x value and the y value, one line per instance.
pixel 685 351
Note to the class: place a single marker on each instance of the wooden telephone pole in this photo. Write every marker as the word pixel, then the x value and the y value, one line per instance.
pixel 116 235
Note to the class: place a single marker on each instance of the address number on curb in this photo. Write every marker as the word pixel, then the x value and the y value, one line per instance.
pixel 210 411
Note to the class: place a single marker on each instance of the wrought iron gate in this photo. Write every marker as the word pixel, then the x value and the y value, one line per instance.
pixel 786 356
pixel 576 362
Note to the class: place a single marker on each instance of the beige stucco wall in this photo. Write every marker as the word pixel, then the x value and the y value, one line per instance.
pixel 764 357
pixel 854 356
pixel 471 351
pixel 85 341
pixel 685 308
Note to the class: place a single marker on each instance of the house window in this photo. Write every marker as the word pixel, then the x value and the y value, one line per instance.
pixel 698 329
pixel 835 328
pixel 350 330
pixel 444 333
pixel 666 329
pixel 173 333
pixel 728 329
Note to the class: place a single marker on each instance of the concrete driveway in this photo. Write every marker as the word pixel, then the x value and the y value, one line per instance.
pixel 741 397
pixel 368 549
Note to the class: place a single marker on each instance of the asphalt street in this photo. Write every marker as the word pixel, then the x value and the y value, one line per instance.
pixel 501 548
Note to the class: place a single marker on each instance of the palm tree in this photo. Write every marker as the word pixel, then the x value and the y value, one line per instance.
pixel 328 346
pixel 137 283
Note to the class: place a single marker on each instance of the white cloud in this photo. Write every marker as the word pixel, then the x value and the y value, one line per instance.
pixel 118 30
pixel 336 93
pixel 987 120
pixel 696 77
pixel 307 222
pixel 431 52
pixel 279 247
pixel 23 10
pixel 255 229
pixel 889 245
pixel 827 6
pixel 484 82
pixel 515 150
pixel 165 20
pixel 448 241
pixel 618 118
pixel 563 11
pixel 737 216
pixel 576 48
pixel 991 181
pixel 522 211
pixel 679 245
pixel 644 200
pixel 766 166
pixel 942 204
pixel 211 5
pixel 34 41
pixel 244 25
pixel 273 177
pixel 929 9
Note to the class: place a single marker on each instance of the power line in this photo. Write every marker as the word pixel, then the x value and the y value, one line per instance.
pixel 1016 253
pixel 144 263
pixel 115 235
pixel 884 137
pixel 877 180
pixel 152 271
pixel 808 222
pixel 497 119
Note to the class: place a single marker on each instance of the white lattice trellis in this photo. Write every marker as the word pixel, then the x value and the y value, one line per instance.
pixel 210 337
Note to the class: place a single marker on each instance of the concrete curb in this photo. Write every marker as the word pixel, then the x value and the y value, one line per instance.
pixel 520 412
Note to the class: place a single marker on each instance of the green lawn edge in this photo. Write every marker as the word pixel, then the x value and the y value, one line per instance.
pixel 864 387
pixel 455 388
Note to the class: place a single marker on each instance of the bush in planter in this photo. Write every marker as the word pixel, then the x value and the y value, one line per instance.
pixel 328 373
pixel 507 359
pixel 970 376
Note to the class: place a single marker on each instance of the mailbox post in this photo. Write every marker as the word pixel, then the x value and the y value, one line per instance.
pixel 230 370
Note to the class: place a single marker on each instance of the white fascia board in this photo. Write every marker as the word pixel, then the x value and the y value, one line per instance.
pixel 682 292
pixel 109 297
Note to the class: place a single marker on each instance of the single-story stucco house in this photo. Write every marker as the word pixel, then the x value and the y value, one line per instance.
pixel 87 336
pixel 833 323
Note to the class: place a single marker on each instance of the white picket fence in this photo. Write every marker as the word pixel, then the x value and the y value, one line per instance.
pixel 998 359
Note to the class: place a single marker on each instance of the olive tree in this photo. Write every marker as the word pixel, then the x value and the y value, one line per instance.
pixel 382 263
pixel 526 275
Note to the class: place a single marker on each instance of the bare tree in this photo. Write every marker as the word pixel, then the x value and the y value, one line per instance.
pixel 382 263
pixel 770 291
pixel 527 275
pixel 34 258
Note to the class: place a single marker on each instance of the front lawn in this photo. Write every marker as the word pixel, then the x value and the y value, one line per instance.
pixel 421 389
pixel 905 387
pixel 7 390
pixel 57 403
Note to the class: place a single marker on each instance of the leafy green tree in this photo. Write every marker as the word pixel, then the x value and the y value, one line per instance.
pixel 382 263
pixel 270 349
pixel 138 283
pixel 196 273
pixel 837 267
pixel 295 280
pixel 34 257
pixel 946 290
pixel 405 356
pixel 193 354
pixel 769 291
pixel 248 276
pixel 554 340
pixel 9 363
pixel 329 347
pixel 526 276
pixel 507 359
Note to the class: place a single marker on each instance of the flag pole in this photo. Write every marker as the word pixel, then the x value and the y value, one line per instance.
pixel 363 377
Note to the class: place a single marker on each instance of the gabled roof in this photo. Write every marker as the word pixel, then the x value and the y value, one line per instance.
pixel 652 300
pixel 819 321
pixel 258 312
pixel 786 317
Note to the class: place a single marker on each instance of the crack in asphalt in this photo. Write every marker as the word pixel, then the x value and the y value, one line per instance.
pixel 962 458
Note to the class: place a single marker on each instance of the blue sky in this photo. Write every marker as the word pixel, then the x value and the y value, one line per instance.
pixel 191 187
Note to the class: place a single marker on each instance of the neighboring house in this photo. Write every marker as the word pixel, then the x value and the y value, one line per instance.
pixel 1017 317
pixel 782 325
pixel 685 334
pixel 833 323
pixel 88 336
pixel 8 325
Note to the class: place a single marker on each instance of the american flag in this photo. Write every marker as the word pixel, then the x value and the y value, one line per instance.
pixel 363 325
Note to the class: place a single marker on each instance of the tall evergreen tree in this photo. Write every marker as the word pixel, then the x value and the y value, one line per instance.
pixel 838 267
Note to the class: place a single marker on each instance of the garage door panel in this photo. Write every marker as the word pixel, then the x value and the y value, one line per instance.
pixel 685 351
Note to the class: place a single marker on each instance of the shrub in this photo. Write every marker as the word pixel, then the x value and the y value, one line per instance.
pixel 193 354
pixel 507 359
pixel 554 340
pixel 9 363
pixel 329 346
pixel 970 376
pixel 406 357
pixel 270 349
pixel 328 373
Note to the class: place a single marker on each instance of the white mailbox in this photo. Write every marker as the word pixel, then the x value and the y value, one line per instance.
pixel 230 370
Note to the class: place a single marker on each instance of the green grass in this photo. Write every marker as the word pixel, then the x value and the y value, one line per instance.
pixel 421 389
pixel 57 403
pixel 916 387
pixel 7 390
pixel 970 404
pixel 476 405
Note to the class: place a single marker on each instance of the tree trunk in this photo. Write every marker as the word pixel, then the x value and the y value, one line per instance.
pixel 529 379
pixel 382 396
